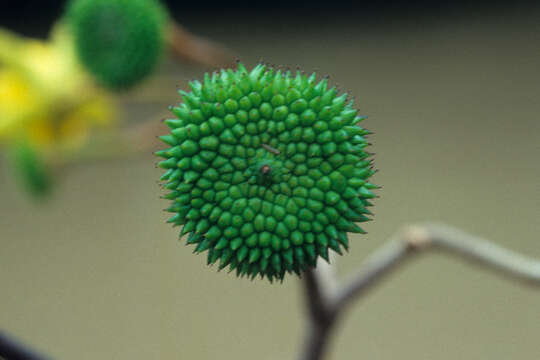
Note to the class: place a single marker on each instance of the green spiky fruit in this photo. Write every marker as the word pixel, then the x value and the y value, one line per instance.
pixel 119 41
pixel 267 171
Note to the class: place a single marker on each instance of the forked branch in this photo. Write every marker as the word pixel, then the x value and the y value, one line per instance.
pixel 326 301
pixel 413 240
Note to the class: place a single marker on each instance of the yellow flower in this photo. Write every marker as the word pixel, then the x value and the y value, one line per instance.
pixel 45 96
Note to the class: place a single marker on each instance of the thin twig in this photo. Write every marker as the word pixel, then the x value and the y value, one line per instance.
pixel 443 238
pixel 197 49
pixel 321 317
pixel 319 306
pixel 413 240
pixel 11 349
pixel 131 141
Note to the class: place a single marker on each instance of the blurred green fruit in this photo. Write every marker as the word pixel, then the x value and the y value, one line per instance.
pixel 120 42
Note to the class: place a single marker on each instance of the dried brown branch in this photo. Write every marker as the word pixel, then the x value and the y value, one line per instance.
pixel 190 47
pixel 325 309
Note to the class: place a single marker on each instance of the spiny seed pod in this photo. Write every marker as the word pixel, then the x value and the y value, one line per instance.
pixel 267 171
pixel 119 41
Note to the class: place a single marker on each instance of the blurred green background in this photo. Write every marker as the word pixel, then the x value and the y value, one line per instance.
pixel 95 273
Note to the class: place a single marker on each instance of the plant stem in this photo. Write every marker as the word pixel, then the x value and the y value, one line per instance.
pixel 197 49
pixel 11 349
pixel 325 309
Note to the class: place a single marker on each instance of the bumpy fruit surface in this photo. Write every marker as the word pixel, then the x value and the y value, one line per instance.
pixel 119 41
pixel 266 171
